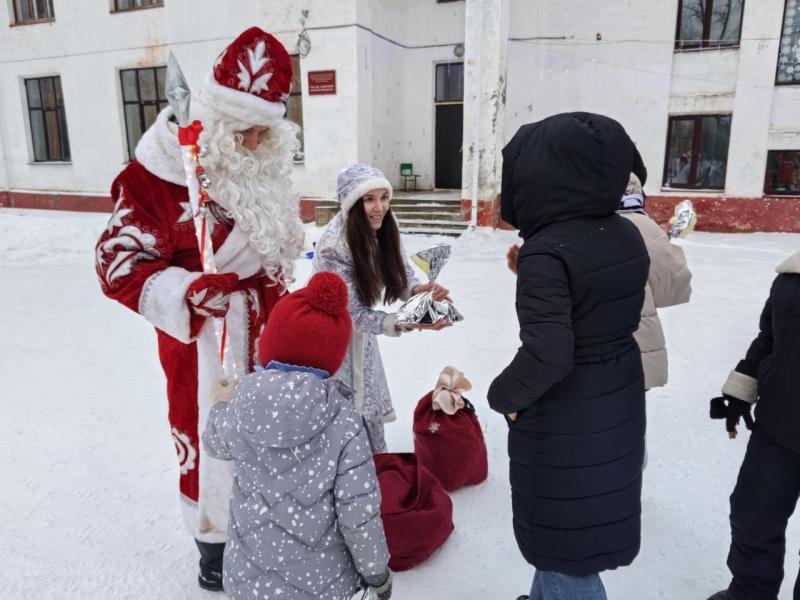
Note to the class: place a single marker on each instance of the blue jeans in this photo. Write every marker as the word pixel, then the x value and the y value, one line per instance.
pixel 549 585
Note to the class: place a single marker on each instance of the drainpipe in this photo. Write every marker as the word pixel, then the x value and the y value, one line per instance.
pixel 476 123
pixel 6 159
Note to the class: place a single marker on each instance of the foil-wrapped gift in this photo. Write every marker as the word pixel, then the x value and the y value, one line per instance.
pixel 422 308
pixel 683 221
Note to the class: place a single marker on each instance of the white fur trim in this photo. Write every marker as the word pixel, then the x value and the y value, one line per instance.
pixel 790 265
pixel 236 255
pixel 158 150
pixel 242 106
pixel 389 417
pixel 741 386
pixel 163 301
pixel 376 183
pixel 390 325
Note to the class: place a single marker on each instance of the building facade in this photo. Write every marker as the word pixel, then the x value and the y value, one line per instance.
pixel 709 91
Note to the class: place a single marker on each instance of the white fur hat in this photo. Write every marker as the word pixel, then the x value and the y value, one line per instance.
pixel 355 181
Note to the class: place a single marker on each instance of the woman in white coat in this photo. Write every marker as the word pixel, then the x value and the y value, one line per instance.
pixel 362 245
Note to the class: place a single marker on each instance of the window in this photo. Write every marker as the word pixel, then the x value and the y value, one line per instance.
pixel 789 55
pixel 47 118
pixel 697 152
pixel 143 98
pixel 33 11
pixel 450 82
pixel 783 173
pixel 709 23
pixel 294 105
pixel 123 5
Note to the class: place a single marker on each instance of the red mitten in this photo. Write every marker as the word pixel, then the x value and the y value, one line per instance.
pixel 209 296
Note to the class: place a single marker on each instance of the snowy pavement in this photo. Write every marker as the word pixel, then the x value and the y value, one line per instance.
pixel 88 500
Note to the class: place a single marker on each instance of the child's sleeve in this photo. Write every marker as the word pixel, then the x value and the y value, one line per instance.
pixel 357 500
pixel 216 437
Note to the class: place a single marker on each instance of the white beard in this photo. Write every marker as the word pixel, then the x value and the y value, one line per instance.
pixel 255 190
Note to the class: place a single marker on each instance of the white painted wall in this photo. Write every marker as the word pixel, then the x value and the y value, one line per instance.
pixel 642 83
pixel 625 80
pixel 383 111
pixel 87 45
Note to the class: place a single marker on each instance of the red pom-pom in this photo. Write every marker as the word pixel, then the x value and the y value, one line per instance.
pixel 327 293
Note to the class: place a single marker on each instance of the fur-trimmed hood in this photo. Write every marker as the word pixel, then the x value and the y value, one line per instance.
pixel 791 264
pixel 158 150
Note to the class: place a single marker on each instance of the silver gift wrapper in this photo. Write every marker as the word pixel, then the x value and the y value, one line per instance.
pixel 436 258
pixel 683 217
pixel 416 308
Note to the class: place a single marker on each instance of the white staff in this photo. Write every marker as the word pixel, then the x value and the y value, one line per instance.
pixel 179 97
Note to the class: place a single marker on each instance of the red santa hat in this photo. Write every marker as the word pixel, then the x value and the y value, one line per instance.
pixel 251 79
pixel 310 327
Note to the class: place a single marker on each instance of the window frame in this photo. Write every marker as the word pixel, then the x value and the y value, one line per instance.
pixel 115 7
pixel 59 110
pixel 705 43
pixel 769 193
pixel 447 64
pixel 139 102
pixel 696 142
pixel 18 22
pixel 783 28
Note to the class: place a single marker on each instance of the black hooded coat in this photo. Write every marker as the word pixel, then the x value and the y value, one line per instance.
pixel 577 445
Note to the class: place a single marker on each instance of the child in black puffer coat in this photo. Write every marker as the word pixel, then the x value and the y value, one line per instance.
pixel 769 480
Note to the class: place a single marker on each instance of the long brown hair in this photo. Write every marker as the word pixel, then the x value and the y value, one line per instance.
pixel 377 260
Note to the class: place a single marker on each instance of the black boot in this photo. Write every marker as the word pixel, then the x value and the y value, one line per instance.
pixel 210 577
pixel 723 595
pixel 522 597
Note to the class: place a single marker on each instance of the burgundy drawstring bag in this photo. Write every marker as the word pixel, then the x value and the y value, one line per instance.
pixel 417 513
pixel 451 446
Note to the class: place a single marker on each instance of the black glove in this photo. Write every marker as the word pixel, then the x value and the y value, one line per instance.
pixel 731 409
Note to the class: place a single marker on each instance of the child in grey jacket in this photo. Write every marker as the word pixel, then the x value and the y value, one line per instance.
pixel 305 510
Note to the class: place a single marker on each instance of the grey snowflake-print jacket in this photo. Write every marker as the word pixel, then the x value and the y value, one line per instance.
pixel 305 509
pixel 362 369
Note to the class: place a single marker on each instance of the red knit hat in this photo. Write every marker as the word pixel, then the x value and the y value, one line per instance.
pixel 251 79
pixel 310 327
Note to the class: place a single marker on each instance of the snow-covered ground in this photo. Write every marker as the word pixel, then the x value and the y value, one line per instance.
pixel 88 501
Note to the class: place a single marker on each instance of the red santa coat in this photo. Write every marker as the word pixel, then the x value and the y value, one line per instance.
pixel 146 259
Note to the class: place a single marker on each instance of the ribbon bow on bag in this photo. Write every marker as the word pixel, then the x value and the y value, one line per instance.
pixel 449 390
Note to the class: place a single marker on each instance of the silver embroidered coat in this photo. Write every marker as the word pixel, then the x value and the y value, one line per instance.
pixel 305 509
pixel 362 369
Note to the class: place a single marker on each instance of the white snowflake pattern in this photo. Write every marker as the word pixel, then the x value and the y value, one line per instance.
pixel 257 59
pixel 187 454
pixel 209 303
pixel 129 246
pixel 187 216
pixel 434 427
pixel 118 213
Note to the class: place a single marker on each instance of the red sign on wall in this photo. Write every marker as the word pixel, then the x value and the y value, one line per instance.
pixel 321 82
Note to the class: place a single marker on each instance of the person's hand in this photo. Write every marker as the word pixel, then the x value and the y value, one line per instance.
pixel 732 410
pixel 209 296
pixel 512 416
pixel 511 257
pixel 439 292
pixel 222 390
pixel 438 326
pixel 382 591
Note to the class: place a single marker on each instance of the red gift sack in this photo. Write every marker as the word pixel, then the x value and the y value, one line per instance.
pixel 450 446
pixel 417 513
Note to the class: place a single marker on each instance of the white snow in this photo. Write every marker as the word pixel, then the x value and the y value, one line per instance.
pixel 88 474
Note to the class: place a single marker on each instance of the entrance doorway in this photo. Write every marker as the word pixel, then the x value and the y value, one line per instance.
pixel 449 132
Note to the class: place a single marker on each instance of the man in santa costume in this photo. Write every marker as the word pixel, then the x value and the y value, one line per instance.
pixel 147 258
